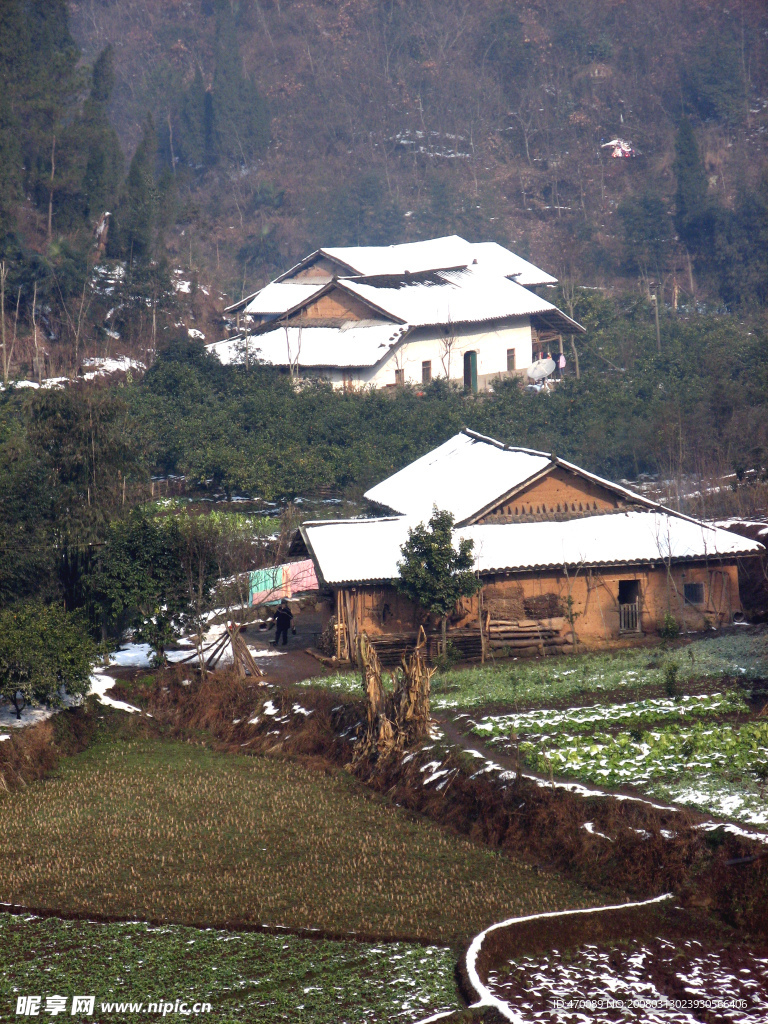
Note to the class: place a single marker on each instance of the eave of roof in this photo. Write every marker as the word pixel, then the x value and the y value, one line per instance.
pixel 366 552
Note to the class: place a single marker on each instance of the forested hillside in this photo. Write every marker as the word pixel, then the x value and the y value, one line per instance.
pixel 227 138
pixel 385 120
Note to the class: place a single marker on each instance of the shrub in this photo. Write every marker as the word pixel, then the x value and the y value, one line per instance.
pixel 670 628
pixel 670 679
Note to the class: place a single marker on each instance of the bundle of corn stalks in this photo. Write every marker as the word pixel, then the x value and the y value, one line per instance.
pixel 399 718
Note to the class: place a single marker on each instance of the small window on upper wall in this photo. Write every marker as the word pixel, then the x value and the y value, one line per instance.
pixel 693 593
pixel 511 359
pixel 399 376
pixel 426 371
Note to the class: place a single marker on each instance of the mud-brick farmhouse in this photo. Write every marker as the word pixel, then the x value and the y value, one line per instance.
pixel 380 316
pixel 563 555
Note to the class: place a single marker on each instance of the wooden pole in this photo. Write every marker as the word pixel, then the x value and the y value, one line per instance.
pixel 338 625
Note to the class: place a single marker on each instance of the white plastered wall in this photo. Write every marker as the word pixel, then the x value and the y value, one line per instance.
pixel 432 344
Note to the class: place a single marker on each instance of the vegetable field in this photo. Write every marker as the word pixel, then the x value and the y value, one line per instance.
pixel 253 978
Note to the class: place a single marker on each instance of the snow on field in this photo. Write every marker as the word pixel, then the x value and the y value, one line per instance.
pixel 132 656
pixel 31 715
pixel 547 720
pixel 664 746
pixel 98 366
pixel 641 983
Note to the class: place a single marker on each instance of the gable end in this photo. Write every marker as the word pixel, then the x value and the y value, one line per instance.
pixel 557 493
pixel 333 305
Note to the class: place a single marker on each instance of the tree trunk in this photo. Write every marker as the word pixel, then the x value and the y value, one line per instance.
pixel 50 190
pixel 3 275
pixel 575 359
pixel 17 708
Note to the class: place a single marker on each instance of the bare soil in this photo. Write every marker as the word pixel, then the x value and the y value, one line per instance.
pixel 595 955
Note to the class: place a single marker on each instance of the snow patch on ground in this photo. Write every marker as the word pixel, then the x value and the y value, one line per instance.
pixel 100 683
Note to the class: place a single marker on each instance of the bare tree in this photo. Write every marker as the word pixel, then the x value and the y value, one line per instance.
pixel 34 335
pixel 447 343
pixel 293 356
pixel 568 287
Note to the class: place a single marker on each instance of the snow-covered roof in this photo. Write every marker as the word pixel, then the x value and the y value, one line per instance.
pixel 368 550
pixel 354 345
pixel 492 256
pixel 277 297
pixel 469 474
pixel 463 476
pixel 429 254
pixel 452 296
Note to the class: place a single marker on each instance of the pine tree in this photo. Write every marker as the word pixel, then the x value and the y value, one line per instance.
pixel 692 220
pixel 104 165
pixel 133 235
pixel 191 144
pixel 241 121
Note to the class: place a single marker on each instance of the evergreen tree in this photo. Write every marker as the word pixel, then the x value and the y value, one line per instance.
pixel 692 213
pixel 240 119
pixel 44 651
pixel 38 89
pixel 192 122
pixel 104 165
pixel 646 233
pixel 433 573
pixel 133 234
pixel 713 83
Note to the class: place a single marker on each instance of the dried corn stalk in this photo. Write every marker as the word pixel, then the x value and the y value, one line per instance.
pixel 398 719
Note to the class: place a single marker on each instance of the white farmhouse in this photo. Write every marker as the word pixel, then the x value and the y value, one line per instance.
pixel 403 314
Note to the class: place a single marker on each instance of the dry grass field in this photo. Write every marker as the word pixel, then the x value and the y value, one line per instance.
pixel 167 831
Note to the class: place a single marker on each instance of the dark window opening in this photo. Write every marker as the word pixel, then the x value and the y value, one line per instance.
pixel 693 593
pixel 426 371
pixel 399 376
pixel 629 591
pixel 511 359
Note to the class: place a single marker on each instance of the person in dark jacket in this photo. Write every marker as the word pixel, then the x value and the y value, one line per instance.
pixel 283 620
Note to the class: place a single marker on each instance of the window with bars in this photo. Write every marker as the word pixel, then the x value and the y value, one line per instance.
pixel 693 593
pixel 399 376
pixel 426 371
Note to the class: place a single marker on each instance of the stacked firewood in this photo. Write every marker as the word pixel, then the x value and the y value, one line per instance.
pixel 527 634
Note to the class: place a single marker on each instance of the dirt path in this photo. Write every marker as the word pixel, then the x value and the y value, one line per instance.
pixel 291 665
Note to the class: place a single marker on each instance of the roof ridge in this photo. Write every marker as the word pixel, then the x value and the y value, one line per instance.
pixel 476 436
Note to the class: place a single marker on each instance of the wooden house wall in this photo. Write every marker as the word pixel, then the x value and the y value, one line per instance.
pixel 335 305
pixel 560 492
pixel 543 597
pixel 321 270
